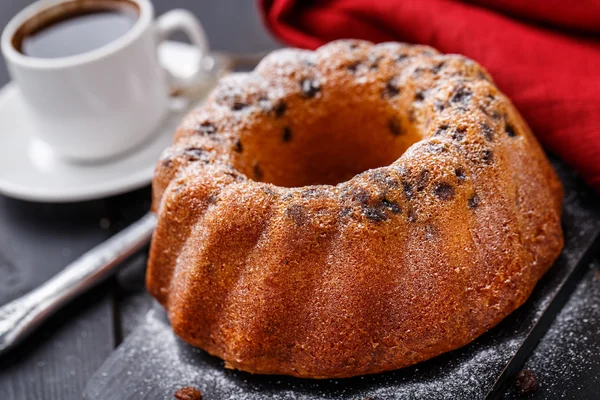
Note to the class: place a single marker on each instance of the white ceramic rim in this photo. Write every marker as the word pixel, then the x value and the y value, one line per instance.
pixel 143 22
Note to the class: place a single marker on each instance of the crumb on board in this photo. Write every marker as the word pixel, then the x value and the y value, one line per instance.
pixel 188 393
pixel 526 382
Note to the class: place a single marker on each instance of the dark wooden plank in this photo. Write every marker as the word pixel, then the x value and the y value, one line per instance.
pixel 56 362
pixel 36 242
pixel 152 363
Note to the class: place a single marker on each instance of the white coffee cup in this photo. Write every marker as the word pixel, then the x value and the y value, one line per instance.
pixel 104 102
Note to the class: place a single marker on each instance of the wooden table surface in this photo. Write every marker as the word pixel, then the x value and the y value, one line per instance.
pixel 37 240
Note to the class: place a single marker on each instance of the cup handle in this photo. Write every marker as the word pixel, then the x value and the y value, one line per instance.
pixel 186 22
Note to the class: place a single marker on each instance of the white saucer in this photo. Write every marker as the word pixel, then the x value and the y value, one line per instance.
pixel 30 171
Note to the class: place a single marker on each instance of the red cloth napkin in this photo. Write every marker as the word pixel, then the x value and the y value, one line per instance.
pixel 544 54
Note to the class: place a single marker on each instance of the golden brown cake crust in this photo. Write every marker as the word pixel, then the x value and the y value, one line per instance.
pixel 263 258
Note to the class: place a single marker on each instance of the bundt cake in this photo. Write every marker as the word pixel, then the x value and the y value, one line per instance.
pixel 349 211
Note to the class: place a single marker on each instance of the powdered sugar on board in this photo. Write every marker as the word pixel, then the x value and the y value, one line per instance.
pixel 152 363
pixel 567 360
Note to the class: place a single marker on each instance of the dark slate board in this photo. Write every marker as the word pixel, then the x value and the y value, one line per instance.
pixel 152 363
pixel 567 360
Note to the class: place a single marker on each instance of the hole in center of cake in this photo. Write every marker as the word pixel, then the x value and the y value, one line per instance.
pixel 297 145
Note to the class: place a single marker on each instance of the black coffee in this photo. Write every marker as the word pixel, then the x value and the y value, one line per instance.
pixel 77 31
